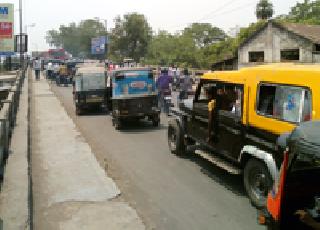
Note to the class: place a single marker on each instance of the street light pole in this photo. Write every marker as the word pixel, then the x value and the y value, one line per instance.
pixel 20 37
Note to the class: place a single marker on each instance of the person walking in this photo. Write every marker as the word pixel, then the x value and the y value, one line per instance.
pixel 37 68
pixel 163 86
pixel 185 85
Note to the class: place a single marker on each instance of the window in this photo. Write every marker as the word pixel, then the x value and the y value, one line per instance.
pixel 230 96
pixel 288 103
pixel 204 91
pixel 316 48
pixel 290 55
pixel 256 56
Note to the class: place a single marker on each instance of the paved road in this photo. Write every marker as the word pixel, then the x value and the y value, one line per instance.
pixel 168 192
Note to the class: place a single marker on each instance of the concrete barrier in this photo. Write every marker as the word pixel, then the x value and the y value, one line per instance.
pixel 8 113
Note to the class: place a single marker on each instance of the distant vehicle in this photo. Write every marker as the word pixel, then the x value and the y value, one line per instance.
pixel 57 54
pixel 89 89
pixel 128 63
pixel 236 117
pixel 134 96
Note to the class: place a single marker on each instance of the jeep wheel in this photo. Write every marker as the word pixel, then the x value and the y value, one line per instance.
pixel 257 182
pixel 175 139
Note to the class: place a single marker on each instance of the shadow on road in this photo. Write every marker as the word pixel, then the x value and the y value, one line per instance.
pixel 140 126
pixel 233 183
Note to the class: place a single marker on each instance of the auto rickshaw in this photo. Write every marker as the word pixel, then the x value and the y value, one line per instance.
pixel 89 89
pixel 62 77
pixel 134 96
pixel 294 201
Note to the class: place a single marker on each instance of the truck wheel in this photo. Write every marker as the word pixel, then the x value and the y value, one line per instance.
pixel 257 182
pixel 175 139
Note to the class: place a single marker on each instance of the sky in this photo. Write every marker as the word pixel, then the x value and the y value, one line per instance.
pixel 170 15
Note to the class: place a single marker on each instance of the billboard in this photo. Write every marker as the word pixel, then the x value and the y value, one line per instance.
pixel 6 29
pixel 98 45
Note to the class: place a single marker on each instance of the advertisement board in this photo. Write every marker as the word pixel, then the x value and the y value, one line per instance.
pixel 6 29
pixel 98 45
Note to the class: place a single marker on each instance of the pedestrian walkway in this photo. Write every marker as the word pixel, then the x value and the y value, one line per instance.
pixel 14 191
pixel 70 189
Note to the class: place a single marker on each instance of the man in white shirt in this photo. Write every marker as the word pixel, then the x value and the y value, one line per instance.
pixel 37 68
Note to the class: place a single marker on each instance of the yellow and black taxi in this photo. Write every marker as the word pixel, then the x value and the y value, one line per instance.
pixel 236 117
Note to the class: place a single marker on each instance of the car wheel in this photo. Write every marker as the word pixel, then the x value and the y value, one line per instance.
pixel 175 139
pixel 257 182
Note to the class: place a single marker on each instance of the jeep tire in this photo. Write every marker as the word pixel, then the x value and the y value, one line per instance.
pixel 257 182
pixel 175 139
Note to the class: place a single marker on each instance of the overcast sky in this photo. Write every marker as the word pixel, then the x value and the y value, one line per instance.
pixel 171 15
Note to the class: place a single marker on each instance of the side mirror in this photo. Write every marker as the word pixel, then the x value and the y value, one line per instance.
pixel 282 141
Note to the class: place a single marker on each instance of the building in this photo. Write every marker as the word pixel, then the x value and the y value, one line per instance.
pixel 281 42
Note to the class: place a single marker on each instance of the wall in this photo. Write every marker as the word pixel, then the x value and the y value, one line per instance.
pixel 271 40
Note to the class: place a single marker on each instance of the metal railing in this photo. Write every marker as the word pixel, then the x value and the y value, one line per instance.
pixel 8 113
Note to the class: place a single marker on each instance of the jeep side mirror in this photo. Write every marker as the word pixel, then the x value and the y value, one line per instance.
pixel 282 141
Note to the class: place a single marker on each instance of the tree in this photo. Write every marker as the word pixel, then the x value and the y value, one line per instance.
pixel 306 12
pixel 204 34
pixel 131 36
pixel 264 9
pixel 75 38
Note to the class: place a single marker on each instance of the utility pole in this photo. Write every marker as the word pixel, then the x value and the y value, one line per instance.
pixel 20 37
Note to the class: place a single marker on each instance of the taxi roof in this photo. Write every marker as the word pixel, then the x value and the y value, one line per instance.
pixel 290 73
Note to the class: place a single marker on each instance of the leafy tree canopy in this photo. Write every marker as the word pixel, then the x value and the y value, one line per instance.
pixel 131 36
pixel 264 9
pixel 75 38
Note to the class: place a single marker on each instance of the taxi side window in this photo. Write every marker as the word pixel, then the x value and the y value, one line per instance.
pixel 230 96
pixel 203 93
pixel 287 103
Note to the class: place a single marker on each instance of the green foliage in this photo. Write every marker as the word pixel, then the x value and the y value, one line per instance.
pixel 307 12
pixel 227 48
pixel 76 39
pixel 167 49
pixel 130 37
pixel 204 34
pixel 264 9
pixel 185 49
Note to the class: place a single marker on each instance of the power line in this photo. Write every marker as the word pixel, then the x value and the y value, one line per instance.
pixel 220 8
pixel 216 12
pixel 232 10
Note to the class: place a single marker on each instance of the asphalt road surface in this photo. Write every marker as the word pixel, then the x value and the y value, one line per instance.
pixel 167 191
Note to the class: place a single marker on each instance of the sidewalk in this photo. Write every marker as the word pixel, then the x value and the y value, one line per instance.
pixel 70 189
pixel 14 192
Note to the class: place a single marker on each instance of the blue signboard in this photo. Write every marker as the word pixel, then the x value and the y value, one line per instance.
pixel 6 53
pixel 98 45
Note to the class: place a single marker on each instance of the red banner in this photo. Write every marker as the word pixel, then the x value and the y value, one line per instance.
pixel 6 29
